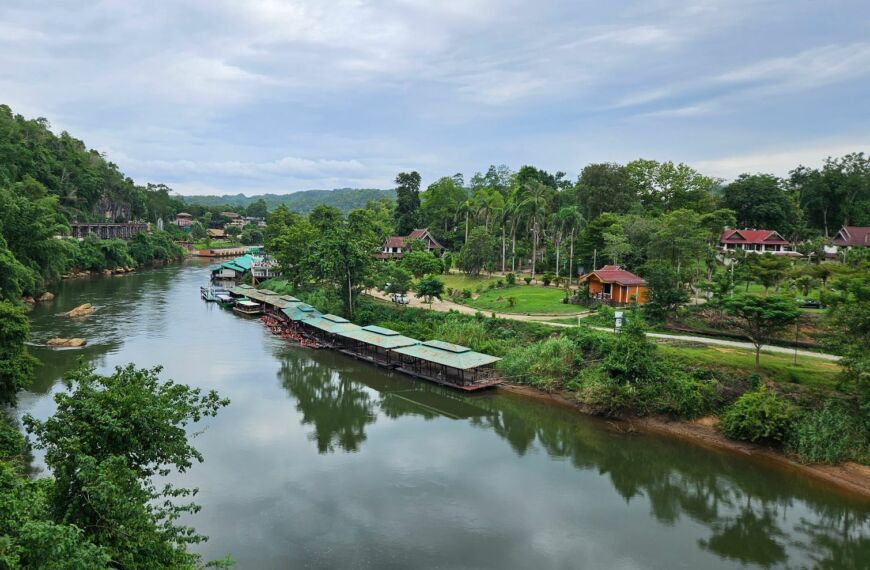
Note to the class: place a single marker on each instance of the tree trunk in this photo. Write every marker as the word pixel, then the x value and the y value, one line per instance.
pixel 571 259
pixel 534 248
pixel 466 226
pixel 514 249
pixel 503 246
pixel 556 242
pixel 757 356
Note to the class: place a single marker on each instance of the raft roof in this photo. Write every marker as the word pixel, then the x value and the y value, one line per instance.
pixel 378 336
pixel 332 324
pixel 447 354
pixel 301 312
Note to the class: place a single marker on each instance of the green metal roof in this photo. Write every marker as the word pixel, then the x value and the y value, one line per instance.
pixel 332 324
pixel 368 336
pixel 245 286
pixel 380 330
pixel 448 346
pixel 290 298
pixel 447 354
pixel 300 312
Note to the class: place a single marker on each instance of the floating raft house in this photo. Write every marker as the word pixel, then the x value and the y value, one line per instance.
pixel 449 364
pixel 434 360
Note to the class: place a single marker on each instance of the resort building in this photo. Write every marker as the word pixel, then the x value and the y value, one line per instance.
pixel 852 236
pixel 615 286
pixel 183 219
pixel 757 241
pixel 395 246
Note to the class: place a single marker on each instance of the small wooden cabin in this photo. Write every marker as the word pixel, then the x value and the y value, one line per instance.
pixel 616 286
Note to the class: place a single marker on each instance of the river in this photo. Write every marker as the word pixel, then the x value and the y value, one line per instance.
pixel 321 461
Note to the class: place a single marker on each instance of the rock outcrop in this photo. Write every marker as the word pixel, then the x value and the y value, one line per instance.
pixel 81 311
pixel 67 342
pixel 45 297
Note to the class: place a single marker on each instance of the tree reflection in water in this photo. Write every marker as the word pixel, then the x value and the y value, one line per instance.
pixel 338 407
pixel 751 514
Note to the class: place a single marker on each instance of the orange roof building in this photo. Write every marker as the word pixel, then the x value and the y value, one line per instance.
pixel 616 286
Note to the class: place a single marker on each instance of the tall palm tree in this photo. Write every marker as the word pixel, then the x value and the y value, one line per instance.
pixel 572 221
pixel 535 206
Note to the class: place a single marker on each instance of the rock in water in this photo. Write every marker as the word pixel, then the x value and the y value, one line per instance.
pixel 80 311
pixel 70 342
pixel 46 297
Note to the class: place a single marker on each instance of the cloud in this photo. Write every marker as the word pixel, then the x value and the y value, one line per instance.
pixel 779 161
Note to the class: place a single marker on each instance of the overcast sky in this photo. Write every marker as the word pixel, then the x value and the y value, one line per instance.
pixel 226 96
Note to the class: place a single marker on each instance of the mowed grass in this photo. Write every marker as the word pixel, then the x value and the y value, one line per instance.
pixel 530 299
pixel 808 371
pixel 462 281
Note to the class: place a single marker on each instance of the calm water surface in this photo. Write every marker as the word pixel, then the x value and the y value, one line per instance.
pixel 324 462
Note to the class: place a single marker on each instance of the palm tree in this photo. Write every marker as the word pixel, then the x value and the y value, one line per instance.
pixel 465 209
pixel 571 221
pixel 535 208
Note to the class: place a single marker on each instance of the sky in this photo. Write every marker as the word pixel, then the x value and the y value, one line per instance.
pixel 227 97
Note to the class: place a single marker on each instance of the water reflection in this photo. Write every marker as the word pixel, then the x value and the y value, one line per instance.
pixel 323 461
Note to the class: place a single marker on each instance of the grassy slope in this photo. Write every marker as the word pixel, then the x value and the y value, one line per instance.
pixel 530 299
pixel 779 367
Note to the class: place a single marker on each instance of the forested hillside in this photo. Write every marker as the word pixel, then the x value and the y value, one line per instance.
pixel 343 199
pixel 48 180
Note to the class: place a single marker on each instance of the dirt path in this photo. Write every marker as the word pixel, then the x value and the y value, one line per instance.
pixel 446 306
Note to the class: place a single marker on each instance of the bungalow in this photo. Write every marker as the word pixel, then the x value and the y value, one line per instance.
pixel 215 233
pixel 616 286
pixel 395 245
pixel 757 241
pixel 183 219
pixel 233 270
pixel 852 236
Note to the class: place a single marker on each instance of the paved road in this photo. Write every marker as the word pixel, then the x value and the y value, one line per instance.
pixel 446 306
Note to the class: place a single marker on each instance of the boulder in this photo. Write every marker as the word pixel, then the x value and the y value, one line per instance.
pixel 47 296
pixel 29 300
pixel 120 270
pixel 68 342
pixel 107 271
pixel 81 311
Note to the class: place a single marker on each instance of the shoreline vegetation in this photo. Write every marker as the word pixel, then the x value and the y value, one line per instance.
pixel 629 378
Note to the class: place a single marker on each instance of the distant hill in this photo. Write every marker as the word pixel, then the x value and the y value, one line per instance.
pixel 345 199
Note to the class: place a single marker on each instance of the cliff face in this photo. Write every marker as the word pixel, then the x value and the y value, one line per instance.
pixel 112 210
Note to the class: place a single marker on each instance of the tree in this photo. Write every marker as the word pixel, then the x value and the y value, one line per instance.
pixel 234 231
pixel 770 269
pixel 476 252
pixel 197 231
pixel 438 207
pixel 849 321
pixel 760 318
pixel 666 291
pixel 665 187
pixel 342 258
pixel 761 201
pixel 534 207
pixel 257 209
pixel 407 213
pixel 395 279
pixel 604 187
pixel 109 441
pixel 419 263
pixel 430 287
pixel 16 365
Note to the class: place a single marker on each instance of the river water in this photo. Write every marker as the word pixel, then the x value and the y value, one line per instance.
pixel 321 461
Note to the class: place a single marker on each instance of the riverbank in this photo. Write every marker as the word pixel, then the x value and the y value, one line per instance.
pixel 850 477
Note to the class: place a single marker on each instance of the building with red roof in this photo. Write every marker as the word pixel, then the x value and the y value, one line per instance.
pixel 758 241
pixel 852 236
pixel 615 285
pixel 394 246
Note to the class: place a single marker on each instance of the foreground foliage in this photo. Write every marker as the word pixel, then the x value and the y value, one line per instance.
pixel 109 441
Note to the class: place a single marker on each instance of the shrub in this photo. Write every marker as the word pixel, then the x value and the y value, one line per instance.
pixel 633 358
pixel 511 279
pixel 512 301
pixel 528 280
pixel 829 435
pixel 758 416
pixel 547 364
pixel 547 279
pixel 499 284
pixel 466 293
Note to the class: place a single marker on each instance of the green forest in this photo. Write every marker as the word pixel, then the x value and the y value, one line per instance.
pixel 303 201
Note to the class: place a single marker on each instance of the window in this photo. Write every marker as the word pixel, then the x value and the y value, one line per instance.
pixel 607 288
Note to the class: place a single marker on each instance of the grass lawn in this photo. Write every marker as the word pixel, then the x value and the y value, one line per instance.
pixel 529 299
pixel 808 371
pixel 462 281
